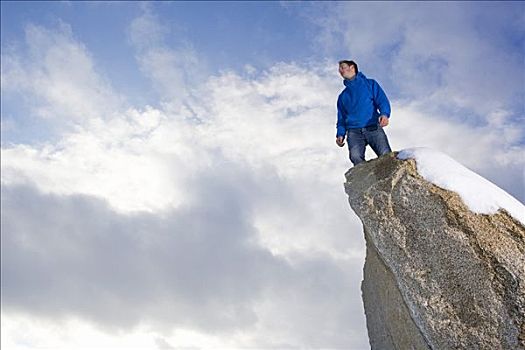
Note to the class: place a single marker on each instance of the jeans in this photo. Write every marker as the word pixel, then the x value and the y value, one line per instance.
pixel 358 139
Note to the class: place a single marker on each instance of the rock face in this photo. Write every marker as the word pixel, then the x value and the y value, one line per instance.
pixel 436 276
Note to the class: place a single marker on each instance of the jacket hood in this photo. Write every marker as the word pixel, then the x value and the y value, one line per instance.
pixel 348 82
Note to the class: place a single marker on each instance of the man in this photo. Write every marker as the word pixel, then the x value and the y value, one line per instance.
pixel 362 111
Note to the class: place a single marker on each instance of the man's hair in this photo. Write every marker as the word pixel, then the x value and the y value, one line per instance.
pixel 350 63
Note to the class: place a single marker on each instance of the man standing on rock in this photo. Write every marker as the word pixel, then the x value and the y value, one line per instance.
pixel 362 111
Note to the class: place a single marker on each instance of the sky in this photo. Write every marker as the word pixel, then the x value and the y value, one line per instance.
pixel 169 172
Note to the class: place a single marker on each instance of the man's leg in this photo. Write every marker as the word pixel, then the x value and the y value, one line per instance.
pixel 378 141
pixel 356 146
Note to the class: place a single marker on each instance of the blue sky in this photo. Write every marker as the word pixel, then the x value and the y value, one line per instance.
pixel 127 126
pixel 226 35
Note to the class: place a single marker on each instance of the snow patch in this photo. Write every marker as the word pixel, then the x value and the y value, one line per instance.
pixel 480 195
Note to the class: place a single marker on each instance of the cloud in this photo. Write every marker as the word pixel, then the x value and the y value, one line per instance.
pixel 163 344
pixel 166 219
pixel 146 30
pixel 58 77
pixel 173 69
pixel 83 258
pixel 144 160
pixel 197 267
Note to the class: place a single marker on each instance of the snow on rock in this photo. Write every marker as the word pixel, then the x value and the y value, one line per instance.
pixel 480 195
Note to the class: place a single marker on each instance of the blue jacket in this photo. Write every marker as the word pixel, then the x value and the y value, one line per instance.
pixel 360 104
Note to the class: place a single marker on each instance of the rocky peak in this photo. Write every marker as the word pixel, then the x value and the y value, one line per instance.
pixel 437 275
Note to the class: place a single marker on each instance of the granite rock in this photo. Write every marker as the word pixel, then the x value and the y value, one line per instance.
pixel 437 275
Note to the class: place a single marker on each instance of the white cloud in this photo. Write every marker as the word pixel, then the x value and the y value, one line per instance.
pixel 22 333
pixel 113 160
pixel 147 31
pixel 173 70
pixel 58 77
pixel 153 161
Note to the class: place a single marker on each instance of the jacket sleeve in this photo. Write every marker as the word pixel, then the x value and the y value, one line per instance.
pixel 341 122
pixel 380 99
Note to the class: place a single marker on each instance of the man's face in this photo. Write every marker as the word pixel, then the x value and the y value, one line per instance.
pixel 347 71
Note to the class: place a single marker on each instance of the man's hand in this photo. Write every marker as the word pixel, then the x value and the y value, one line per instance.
pixel 340 141
pixel 383 120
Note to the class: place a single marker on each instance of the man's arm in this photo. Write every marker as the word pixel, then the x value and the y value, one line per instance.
pixel 382 103
pixel 341 124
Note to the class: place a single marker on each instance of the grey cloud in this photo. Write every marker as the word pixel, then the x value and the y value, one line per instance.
pixel 198 266
pixel 65 254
